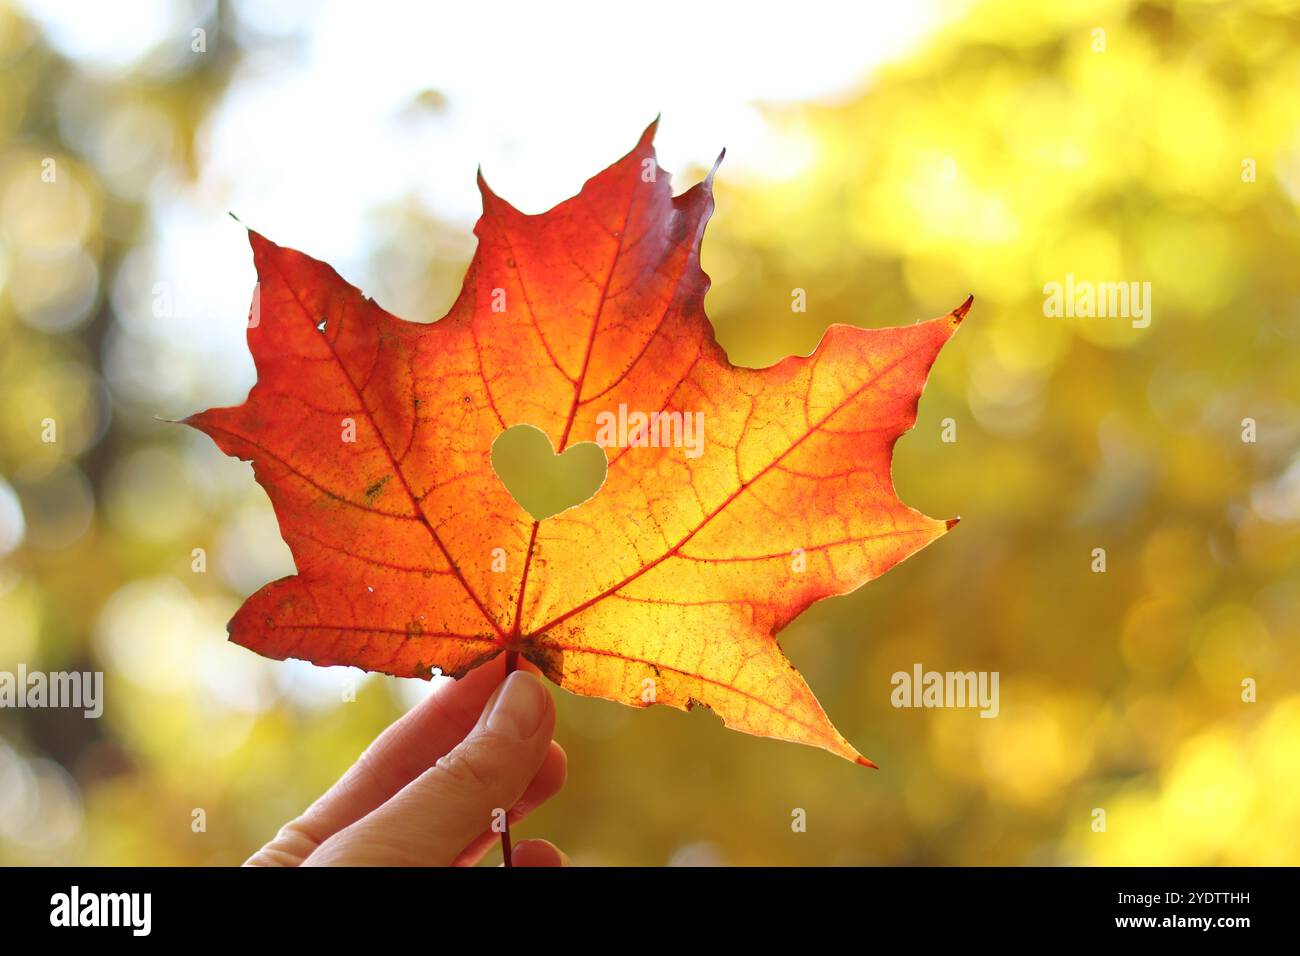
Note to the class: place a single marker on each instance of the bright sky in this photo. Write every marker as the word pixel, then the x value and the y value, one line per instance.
pixel 541 95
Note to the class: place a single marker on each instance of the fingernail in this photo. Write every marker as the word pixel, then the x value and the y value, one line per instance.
pixel 519 707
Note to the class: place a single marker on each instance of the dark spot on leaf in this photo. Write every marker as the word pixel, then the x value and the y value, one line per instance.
pixel 373 491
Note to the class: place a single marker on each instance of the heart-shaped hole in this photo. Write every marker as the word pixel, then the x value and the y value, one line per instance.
pixel 542 482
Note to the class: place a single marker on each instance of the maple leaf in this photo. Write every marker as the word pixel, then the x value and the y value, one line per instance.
pixel 373 438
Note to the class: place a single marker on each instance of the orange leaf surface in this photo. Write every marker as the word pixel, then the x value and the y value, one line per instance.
pixel 373 438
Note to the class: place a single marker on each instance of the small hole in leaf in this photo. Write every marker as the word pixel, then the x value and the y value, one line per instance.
pixel 542 482
pixel 320 326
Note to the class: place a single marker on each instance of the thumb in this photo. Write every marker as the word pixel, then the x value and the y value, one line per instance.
pixel 431 820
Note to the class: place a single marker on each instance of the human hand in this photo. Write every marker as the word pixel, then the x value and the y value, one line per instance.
pixel 427 791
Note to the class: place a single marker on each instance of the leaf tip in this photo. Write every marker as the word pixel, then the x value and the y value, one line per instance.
pixel 258 243
pixel 864 762
pixel 952 523
pixel 648 135
pixel 708 180
pixel 489 197
pixel 959 313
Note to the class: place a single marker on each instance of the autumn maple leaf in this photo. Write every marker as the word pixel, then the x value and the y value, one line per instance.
pixel 373 436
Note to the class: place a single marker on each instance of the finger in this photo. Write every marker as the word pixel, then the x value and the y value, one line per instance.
pixel 407 748
pixel 546 784
pixel 538 853
pixel 435 817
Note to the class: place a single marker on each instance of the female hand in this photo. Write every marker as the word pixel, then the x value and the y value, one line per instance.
pixel 429 789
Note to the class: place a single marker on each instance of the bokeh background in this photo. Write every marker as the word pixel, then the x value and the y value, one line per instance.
pixel 888 162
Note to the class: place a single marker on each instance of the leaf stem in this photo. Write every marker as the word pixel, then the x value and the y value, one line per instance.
pixel 512 659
